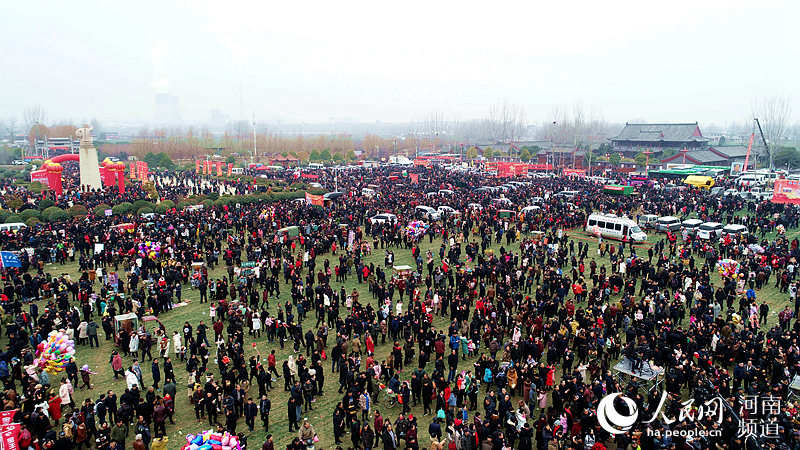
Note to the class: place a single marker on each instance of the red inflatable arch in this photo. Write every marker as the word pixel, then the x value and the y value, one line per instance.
pixel 66 157
pixel 111 173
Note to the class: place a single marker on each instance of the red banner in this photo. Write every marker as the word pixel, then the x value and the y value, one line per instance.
pixel 422 162
pixel 316 200
pixel 7 417
pixel 198 166
pixel 574 172
pixel 414 177
pixel 786 191
pixel 9 436
pixel 230 168
pixel 219 168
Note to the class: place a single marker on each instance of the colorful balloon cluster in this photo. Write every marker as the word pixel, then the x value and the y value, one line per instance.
pixel 149 249
pixel 53 354
pixel 416 229
pixel 728 267
pixel 209 440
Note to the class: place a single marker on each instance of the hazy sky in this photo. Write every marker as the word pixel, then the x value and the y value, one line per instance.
pixel 397 61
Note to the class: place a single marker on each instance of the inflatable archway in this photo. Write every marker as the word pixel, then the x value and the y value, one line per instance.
pixel 66 157
pixel 110 173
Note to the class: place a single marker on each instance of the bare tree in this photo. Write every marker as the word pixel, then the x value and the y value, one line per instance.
pixel 774 114
pixel 10 127
pixel 34 115
pixel 506 122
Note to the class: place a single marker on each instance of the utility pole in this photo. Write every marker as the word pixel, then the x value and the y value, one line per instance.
pixel 255 149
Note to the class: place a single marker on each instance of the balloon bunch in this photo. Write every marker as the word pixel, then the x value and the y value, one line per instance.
pixel 149 249
pixel 209 440
pixel 53 354
pixel 728 267
pixel 416 229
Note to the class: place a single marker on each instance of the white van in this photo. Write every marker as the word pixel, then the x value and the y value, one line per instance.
pixel 709 230
pixel 315 166
pixel 367 192
pixel 427 213
pixel 691 225
pixel 668 223
pixel 237 171
pixel 614 227
pixel 735 230
pixel 13 226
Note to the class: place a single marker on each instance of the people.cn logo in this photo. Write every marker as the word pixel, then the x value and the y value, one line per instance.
pixel 611 420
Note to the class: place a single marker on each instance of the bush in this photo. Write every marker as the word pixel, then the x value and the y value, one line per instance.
pixel 139 204
pixel 32 222
pixel 45 203
pixel 208 203
pixel 100 210
pixel 168 203
pixel 161 208
pixel 28 213
pixel 13 218
pixel 77 211
pixel 213 196
pixel 36 187
pixel 144 210
pixel 220 202
pixel 122 209
pixel 184 204
pixel 54 214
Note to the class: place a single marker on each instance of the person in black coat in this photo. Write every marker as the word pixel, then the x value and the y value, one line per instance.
pixel 265 406
pixel 367 436
pixel 389 438
pixel 156 373
pixel 250 413
pixel 355 433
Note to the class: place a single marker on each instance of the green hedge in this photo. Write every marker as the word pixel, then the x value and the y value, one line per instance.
pixel 77 211
pixel 45 203
pixel 13 218
pixel 29 213
pixel 161 208
pixel 54 214
pixel 122 209
pixel 31 222
pixel 139 204
pixel 100 210
pixel 144 210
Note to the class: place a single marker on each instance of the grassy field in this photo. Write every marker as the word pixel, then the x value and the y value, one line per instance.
pixel 321 416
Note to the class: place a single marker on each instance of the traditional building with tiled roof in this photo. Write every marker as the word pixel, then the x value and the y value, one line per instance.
pixel 657 137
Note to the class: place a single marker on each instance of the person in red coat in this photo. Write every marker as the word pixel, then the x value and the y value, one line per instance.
pixel 54 408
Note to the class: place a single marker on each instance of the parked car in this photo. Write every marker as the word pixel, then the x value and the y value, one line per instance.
pixel 648 221
pixel 447 211
pixel 668 223
pixel 383 218
pixel 735 230
pixel 427 213
pixel 709 230
pixel 691 225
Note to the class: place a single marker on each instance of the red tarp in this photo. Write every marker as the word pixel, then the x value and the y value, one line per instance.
pixel 785 191
pixel 316 200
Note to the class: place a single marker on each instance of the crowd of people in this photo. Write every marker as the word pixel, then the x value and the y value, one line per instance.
pixel 495 337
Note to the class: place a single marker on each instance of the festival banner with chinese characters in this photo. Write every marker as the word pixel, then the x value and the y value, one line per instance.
pixel 786 191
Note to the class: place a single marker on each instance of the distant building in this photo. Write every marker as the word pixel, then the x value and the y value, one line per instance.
pixel 721 155
pixel 658 137
pixel 284 161
pixel 53 146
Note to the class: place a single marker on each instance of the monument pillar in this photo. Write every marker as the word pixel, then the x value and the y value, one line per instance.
pixel 90 168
